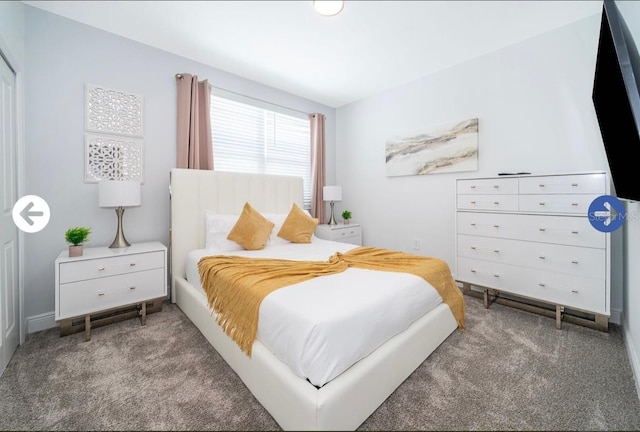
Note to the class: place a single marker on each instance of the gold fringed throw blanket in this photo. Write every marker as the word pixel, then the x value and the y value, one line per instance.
pixel 236 285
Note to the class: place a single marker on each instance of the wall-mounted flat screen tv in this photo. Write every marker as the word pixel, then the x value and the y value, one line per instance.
pixel 617 101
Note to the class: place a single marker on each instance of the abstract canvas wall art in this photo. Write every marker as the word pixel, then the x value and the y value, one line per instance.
pixel 440 149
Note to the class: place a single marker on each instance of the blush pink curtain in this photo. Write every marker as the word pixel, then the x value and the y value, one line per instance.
pixel 194 147
pixel 318 170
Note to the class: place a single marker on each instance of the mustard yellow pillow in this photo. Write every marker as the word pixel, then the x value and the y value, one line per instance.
pixel 252 229
pixel 298 227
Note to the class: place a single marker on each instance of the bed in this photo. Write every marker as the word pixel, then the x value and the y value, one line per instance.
pixel 342 402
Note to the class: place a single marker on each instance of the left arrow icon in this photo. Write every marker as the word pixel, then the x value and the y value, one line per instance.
pixel 26 213
pixel 31 213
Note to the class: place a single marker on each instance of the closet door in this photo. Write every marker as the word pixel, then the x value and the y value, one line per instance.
pixel 9 294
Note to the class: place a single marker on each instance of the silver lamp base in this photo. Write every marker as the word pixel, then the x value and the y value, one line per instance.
pixel 120 241
pixel 332 220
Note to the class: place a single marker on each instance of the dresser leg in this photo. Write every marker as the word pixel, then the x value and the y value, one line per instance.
pixel 559 313
pixel 143 314
pixel 87 327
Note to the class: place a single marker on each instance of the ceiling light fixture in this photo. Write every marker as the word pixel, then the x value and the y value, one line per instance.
pixel 328 8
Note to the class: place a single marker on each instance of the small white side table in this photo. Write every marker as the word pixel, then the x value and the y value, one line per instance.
pixel 349 233
pixel 106 285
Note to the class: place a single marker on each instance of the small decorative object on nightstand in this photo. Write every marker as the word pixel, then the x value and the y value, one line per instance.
pixel 341 233
pixel 76 236
pixel 106 285
pixel 346 215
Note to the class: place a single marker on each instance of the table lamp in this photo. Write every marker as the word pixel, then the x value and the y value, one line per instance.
pixel 119 194
pixel 332 194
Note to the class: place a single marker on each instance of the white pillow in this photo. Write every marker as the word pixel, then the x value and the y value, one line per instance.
pixel 218 228
pixel 278 221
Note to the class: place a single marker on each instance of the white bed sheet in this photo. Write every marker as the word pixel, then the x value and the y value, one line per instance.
pixel 321 327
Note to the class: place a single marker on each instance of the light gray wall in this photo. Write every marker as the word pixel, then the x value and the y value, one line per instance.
pixel 12 30
pixel 631 317
pixel 533 101
pixel 61 57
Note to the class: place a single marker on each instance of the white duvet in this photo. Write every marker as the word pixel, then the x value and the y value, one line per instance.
pixel 323 326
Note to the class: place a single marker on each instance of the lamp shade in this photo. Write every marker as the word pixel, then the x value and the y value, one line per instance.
pixel 119 193
pixel 332 193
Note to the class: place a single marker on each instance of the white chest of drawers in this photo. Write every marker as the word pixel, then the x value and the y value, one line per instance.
pixel 103 279
pixel 350 233
pixel 530 236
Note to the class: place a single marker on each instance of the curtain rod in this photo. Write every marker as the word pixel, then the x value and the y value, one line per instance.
pixel 179 76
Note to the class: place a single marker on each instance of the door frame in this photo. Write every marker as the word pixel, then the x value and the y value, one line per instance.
pixel 17 68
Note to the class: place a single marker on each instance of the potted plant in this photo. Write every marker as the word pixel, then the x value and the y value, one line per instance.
pixel 76 236
pixel 346 215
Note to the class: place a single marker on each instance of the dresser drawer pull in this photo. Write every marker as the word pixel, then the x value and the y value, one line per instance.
pixel 473 270
pixel 496 275
pixel 541 203
pixel 101 293
pixel 541 257
pixel 575 204
pixel 496 186
pixel 132 264
pixel 100 268
pixel 472 186
pixel 574 232
pixel 132 287
pixel 473 248
pixel 541 185
pixel 496 226
pixel 496 250
pixel 574 184
pixel 473 202
pixel 574 291
pixel 473 224
pixel 542 229
pixel 542 285
pixel 496 202
pixel 574 261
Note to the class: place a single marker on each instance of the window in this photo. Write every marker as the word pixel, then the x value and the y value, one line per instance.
pixel 255 137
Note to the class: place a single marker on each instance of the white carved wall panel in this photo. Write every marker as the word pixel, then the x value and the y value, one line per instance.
pixel 113 158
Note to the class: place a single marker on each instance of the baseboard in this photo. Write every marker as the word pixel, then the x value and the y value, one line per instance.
pixel 41 322
pixel 616 317
pixel 633 357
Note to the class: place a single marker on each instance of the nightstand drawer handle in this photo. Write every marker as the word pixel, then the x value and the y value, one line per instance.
pixel 132 287
pixel 542 285
pixel 574 232
pixel 496 275
pixel 541 203
pixel 496 186
pixel 473 248
pixel 473 270
pixel 496 250
pixel 473 202
pixel 542 229
pixel 541 257
pixel 575 204
pixel 496 226
pixel 132 264
pixel 574 184
pixel 496 202
pixel 574 261
pixel 101 268
pixel 101 293
pixel 575 291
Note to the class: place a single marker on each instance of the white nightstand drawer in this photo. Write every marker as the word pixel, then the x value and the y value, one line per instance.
pixel 564 184
pixel 72 271
pixel 341 233
pixel 345 232
pixel 84 297
pixel 488 186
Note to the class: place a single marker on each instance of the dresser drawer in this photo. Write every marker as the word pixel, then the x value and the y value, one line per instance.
pixel 564 184
pixel 342 233
pixel 73 271
pixel 508 186
pixel 572 260
pixel 583 293
pixel 84 297
pixel 488 202
pixel 567 230
pixel 570 204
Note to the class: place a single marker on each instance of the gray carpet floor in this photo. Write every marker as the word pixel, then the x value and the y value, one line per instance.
pixel 510 370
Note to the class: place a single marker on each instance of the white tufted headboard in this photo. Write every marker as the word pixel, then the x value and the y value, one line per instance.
pixel 194 191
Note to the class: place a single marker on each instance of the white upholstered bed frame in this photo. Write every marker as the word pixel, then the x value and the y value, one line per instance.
pixel 346 401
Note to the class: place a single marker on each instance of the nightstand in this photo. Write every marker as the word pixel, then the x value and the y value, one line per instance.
pixel 350 233
pixel 106 285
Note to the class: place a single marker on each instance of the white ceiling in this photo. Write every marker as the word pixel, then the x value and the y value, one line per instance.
pixel 371 46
